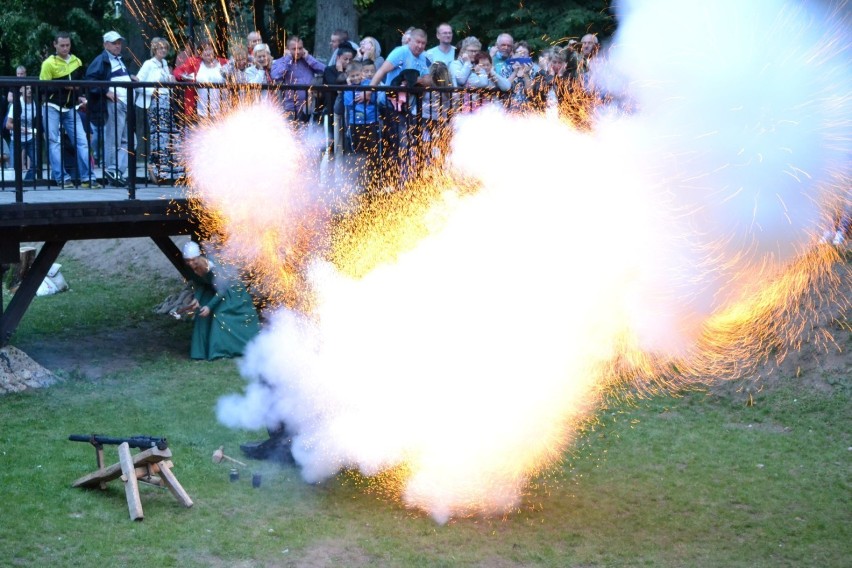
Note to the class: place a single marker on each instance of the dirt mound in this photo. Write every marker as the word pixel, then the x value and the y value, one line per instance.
pixel 821 362
pixel 18 372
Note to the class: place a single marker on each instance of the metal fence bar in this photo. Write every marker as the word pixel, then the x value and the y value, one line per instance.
pixel 393 127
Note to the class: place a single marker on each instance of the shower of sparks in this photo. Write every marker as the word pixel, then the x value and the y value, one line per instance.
pixel 446 336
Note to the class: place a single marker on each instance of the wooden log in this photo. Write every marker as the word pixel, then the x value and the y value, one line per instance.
pixel 151 455
pixel 19 272
pixel 131 487
pixel 174 485
pixel 99 456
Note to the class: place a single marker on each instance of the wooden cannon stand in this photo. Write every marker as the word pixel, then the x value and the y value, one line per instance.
pixel 151 466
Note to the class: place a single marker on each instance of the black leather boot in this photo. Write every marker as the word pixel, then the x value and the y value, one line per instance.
pixel 276 447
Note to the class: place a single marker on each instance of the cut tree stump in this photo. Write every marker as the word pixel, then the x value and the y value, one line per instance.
pixel 17 274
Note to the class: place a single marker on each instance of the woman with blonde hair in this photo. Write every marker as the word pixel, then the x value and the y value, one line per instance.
pixel 261 72
pixel 155 102
pixel 370 50
pixel 460 69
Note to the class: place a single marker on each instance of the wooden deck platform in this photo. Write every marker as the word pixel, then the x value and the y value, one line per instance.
pixel 55 216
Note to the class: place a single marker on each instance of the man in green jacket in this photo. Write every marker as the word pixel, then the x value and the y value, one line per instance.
pixel 61 102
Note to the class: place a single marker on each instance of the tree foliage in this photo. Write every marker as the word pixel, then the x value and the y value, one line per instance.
pixel 541 23
pixel 28 26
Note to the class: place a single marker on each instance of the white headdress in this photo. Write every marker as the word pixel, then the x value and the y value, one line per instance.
pixel 191 250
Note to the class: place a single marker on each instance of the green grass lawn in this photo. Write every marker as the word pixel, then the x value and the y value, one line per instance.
pixel 692 481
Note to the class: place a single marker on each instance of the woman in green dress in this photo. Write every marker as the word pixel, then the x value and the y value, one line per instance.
pixel 225 316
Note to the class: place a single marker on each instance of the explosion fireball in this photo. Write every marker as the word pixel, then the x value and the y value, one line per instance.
pixel 458 333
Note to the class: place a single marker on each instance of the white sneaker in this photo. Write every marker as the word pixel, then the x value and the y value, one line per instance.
pixel 839 238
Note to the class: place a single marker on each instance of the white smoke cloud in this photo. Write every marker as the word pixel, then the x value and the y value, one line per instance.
pixel 743 124
pixel 471 359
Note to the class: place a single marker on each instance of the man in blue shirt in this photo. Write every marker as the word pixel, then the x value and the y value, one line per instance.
pixel 445 51
pixel 409 56
pixel 396 113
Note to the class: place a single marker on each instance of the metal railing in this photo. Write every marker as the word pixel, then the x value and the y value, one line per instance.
pixel 122 134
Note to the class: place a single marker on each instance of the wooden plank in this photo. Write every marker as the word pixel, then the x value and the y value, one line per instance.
pixel 142 476
pixel 99 457
pixel 131 487
pixel 174 485
pixel 151 455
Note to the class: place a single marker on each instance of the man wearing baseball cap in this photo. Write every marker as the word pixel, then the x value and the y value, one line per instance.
pixel 108 106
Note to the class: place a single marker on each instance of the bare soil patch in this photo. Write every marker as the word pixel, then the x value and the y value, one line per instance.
pixel 107 350
pixel 113 256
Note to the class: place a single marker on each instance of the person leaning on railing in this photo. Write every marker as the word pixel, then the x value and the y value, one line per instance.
pixel 28 132
pixel 296 67
pixel 206 68
pixel 61 102
pixel 111 102
pixel 405 66
pixel 155 106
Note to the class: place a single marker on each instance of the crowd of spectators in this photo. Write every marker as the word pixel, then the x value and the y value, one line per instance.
pixel 434 84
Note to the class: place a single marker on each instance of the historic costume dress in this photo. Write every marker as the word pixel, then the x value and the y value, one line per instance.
pixel 232 322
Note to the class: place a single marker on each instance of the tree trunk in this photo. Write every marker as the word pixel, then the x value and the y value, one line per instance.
pixel 220 37
pixel 260 19
pixel 332 15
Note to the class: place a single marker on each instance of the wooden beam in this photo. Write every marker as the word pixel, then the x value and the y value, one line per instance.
pixel 174 485
pixel 151 455
pixel 131 486
pixel 174 255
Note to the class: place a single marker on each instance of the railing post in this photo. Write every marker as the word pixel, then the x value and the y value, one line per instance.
pixel 17 146
pixel 130 121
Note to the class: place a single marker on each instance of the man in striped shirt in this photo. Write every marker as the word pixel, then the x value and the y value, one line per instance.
pixel 108 66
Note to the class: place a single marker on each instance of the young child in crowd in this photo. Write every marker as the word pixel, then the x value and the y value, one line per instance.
pixel 484 76
pixel 368 69
pixel 363 123
pixel 437 111
pixel 27 151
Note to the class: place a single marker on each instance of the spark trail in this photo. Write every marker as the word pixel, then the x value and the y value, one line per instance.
pixel 458 333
